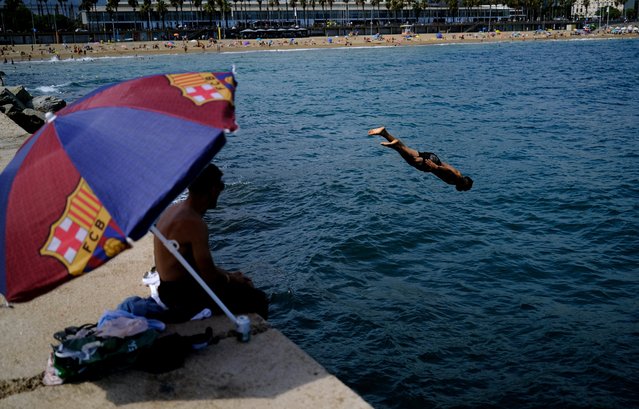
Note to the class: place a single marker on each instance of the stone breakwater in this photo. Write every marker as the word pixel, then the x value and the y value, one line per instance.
pixel 21 113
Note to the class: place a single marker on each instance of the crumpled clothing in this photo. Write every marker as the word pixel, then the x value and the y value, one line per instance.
pixel 51 377
pixel 113 315
pixel 122 327
pixel 83 354
pixel 142 307
pixel 151 279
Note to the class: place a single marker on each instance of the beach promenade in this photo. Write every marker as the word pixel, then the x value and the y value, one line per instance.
pixel 267 372
pixel 140 49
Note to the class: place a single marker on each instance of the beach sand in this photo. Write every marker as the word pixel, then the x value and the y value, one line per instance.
pixel 95 50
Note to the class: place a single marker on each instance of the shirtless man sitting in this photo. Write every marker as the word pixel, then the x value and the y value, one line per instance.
pixel 183 222
pixel 425 161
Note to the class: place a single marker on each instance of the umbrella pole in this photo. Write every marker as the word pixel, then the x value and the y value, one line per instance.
pixel 171 247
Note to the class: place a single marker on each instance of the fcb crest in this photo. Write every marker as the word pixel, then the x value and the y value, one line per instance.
pixel 84 236
pixel 203 87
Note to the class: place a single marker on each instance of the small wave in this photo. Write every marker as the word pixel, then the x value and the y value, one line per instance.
pixel 52 89
pixel 83 59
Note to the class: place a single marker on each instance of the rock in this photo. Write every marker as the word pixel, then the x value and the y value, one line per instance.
pixel 21 93
pixel 8 98
pixel 11 109
pixel 9 129
pixel 17 105
pixel 48 103
pixel 29 119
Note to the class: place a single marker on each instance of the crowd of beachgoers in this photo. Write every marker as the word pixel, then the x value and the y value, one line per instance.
pixel 26 52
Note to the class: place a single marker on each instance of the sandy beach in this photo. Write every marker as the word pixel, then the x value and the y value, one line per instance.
pixel 95 50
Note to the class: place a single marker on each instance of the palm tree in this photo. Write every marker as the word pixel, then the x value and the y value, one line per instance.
pixel 409 5
pixel 162 9
pixel 134 5
pixel 586 5
pixel 269 7
pixel 61 3
pixel 286 4
pixel 399 6
pixel 417 9
pixel 181 2
pixel 453 6
pixel 376 3
pixel 618 3
pixel 303 5
pixel 362 3
pixel 347 19
pixel 112 6
pixel 313 7
pixel 330 7
pixel 209 8
pixel 176 4
pixel 145 9
pixel 224 7
pixel 47 8
pixel 468 4
pixel 198 8
pixel 323 6
pixel 293 4
pixel 235 4
pixel 94 3
pixel 259 5
pixel 86 6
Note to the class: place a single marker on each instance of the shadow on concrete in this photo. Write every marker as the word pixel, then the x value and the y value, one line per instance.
pixel 266 367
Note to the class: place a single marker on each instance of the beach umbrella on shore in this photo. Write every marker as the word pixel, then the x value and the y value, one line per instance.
pixel 98 174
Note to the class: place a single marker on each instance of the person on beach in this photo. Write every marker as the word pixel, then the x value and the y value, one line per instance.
pixel 425 161
pixel 183 222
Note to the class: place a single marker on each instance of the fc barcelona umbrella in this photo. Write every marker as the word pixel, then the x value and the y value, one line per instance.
pixel 99 173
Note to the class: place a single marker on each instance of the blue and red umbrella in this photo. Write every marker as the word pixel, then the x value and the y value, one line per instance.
pixel 101 171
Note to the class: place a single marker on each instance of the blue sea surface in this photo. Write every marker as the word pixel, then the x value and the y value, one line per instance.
pixel 520 293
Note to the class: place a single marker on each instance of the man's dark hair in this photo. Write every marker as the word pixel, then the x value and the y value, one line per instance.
pixel 206 179
pixel 465 184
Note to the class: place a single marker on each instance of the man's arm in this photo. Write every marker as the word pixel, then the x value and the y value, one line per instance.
pixel 204 260
pixel 445 172
pixel 198 234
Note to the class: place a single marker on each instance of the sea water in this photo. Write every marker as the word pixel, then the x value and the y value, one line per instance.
pixel 519 293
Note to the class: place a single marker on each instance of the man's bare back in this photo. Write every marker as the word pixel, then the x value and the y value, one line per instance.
pixel 183 225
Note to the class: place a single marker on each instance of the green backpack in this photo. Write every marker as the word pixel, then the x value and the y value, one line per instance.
pixel 82 354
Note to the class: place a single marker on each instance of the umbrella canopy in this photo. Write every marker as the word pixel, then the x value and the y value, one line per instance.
pixel 101 171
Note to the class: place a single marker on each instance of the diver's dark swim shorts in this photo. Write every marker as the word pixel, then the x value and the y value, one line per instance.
pixel 431 156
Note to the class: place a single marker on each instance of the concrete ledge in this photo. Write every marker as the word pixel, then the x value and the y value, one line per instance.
pixel 267 372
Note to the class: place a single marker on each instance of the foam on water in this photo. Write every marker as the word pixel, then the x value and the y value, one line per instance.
pixel 51 89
